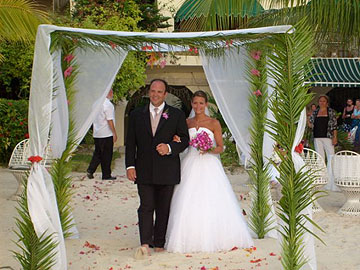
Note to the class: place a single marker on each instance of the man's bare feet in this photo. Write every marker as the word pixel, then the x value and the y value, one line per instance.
pixel 159 249
pixel 142 252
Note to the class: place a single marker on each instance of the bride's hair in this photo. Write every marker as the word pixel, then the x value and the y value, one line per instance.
pixel 200 93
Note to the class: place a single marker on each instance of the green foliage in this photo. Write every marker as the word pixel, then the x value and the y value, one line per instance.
pixel 13 126
pixel 260 215
pixel 151 16
pixel 291 53
pixel 343 141
pixel 35 252
pixel 115 16
pixel 19 19
pixel 15 70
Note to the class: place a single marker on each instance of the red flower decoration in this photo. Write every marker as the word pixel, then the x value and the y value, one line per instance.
pixel 229 43
pixel 21 123
pixel 255 72
pixel 27 135
pixel 34 159
pixel 112 44
pixel 147 47
pixel 68 71
pixel 68 58
pixel 299 148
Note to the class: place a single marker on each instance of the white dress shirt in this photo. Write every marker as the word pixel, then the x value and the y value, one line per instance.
pixel 101 128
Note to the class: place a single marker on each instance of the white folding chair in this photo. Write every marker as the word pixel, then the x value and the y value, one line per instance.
pixel 316 164
pixel 346 171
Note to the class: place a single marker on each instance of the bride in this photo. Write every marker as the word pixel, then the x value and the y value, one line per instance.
pixel 205 215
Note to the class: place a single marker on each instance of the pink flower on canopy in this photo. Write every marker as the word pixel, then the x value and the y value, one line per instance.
pixel 68 71
pixel 163 63
pixel 255 72
pixel 68 58
pixel 256 55
pixel 257 93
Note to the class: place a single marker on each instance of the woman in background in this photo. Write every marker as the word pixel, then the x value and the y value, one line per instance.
pixel 356 121
pixel 323 123
pixel 347 115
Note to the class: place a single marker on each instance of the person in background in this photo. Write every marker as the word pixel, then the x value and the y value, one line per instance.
pixel 347 115
pixel 324 124
pixel 356 122
pixel 104 134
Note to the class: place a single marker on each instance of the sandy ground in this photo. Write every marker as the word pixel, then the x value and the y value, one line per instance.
pixel 106 217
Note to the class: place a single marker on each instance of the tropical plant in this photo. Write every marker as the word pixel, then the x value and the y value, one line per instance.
pixel 19 20
pixel 207 15
pixel 35 252
pixel 290 54
pixel 335 21
pixel 15 70
pixel 260 214
pixel 13 126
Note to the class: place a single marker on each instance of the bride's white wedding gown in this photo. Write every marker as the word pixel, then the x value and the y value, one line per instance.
pixel 205 215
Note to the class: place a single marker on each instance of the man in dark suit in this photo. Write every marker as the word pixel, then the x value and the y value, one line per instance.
pixel 152 161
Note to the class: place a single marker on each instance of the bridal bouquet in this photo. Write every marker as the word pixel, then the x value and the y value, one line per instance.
pixel 202 142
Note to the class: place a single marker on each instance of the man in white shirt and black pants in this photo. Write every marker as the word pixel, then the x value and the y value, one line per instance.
pixel 104 137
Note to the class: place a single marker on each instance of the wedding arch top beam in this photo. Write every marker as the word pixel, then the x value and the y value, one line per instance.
pixel 162 41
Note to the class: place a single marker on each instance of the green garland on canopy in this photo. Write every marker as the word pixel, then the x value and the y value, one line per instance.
pixel 214 45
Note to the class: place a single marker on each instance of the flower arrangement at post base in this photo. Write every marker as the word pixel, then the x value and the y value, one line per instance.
pixel 202 142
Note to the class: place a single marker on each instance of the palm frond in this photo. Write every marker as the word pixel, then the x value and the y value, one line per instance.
pixel 35 252
pixel 19 19
pixel 291 53
pixel 335 21
pixel 207 15
pixel 260 213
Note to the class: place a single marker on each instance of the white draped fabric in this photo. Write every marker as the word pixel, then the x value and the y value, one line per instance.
pixel 48 110
pixel 227 78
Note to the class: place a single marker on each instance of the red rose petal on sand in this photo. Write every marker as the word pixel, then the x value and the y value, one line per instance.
pixel 234 248
pixel 255 261
pixel 272 254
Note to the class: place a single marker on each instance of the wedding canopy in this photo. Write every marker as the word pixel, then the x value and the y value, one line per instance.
pixel 96 58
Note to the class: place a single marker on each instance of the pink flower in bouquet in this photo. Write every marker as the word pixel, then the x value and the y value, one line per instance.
pixel 202 142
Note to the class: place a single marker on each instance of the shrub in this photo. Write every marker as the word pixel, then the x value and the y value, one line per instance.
pixel 13 125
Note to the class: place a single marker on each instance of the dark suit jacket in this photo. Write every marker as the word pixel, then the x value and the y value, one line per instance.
pixel 151 167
